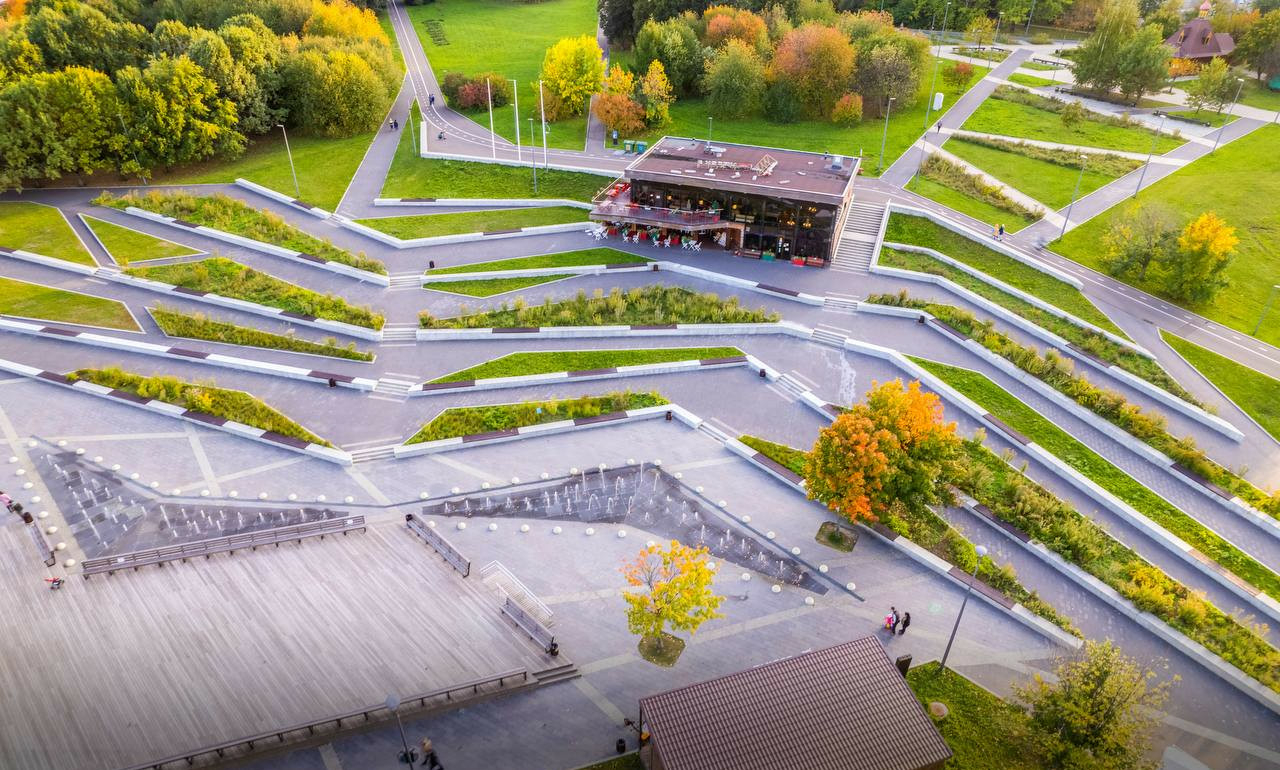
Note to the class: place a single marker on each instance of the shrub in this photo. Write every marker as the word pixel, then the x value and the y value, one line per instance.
pixel 1041 38
pixel 470 420
pixel 781 103
pixel 948 174
pixel 958 74
pixel 848 110
pixel 197 326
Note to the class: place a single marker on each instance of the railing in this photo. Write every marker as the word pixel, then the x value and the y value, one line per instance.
pixel 530 625
pixel 513 588
pixel 655 213
pixel 42 546
pixel 229 543
pixel 336 720
pixel 439 544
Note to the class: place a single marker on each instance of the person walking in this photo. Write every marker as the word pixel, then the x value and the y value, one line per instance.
pixel 906 621
pixel 431 100
pixel 429 758
pixel 896 619
pixel 891 619
pixel 1000 236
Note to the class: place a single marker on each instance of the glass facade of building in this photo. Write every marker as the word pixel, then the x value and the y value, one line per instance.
pixel 787 228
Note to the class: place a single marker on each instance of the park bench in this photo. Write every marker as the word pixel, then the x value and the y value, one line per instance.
pixel 438 544
pixel 527 623
pixel 42 545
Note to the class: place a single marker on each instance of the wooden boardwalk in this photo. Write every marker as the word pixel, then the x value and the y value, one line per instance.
pixel 128 668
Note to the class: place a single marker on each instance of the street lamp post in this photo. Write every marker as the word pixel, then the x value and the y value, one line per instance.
pixel 933 84
pixel 709 126
pixel 515 92
pixel 1150 152
pixel 542 107
pixel 1030 16
pixel 1270 296
pixel 982 552
pixel 994 39
pixel 1083 160
pixel 533 153
pixel 1230 109
pixel 408 756
pixel 885 136
pixel 297 191
pixel 493 136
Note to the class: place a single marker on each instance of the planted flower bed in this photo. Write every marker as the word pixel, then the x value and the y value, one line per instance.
pixel 222 212
pixel 542 362
pixel 218 402
pixel 197 326
pixel 647 305
pixel 470 420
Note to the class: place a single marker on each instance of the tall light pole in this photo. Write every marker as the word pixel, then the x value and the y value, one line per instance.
pixel 885 136
pixel 296 190
pixel 515 92
pixel 493 137
pixel 407 757
pixel 933 84
pixel 1150 152
pixel 1230 109
pixel 1083 159
pixel 1270 296
pixel 533 158
pixel 982 552
pixel 994 39
pixel 1030 16
pixel 709 125
pixel 542 106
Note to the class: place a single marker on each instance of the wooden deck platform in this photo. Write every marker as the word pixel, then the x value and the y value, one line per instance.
pixel 123 669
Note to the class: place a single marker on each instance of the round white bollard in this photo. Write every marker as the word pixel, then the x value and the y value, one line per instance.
pixel 13 459
pixel 746 518
pixel 60 547
pixel 544 475
pixel 573 471
pixel 293 496
pixel 20 472
pixel 51 530
pixel 795 551
pixel 69 563
pixel 80 452
pixel 156 485
pixel 175 492
pixel 97 458
pixel 348 499
pixel 649 544
pixel 515 479
pixel 27 485
pixel 455 490
pixel 602 466
pixel 321 498
pixel 591 530
pixel 823 568
pixel 851 586
pixel 423 495
pixel 63 442
pixel 233 493
pixel 721 503
pixel 679 475
pixel 622 533
pixel 484 485
pixel 205 493
pixel 808 600
pixel 777 589
pixel 493 527
pixel 36 499
pixel 133 476
pixel 770 534
pixel 462 525
pixel 262 495
pixel 431 523
pixel 115 467
pixel 631 461
pixel 698 490
pixel 556 530
pixel 713 565
pixel 42 515
pixel 746 576
pixel 657 463
pixel 31 444
pixel 524 527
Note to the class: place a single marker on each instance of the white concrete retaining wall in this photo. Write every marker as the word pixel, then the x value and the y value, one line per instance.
pixel 441 240
pixel 248 307
pixel 520 164
pixel 265 248
pixel 328 454
pixel 545 429
pixel 501 203
pixel 1196 651
pixel 639 267
pixel 301 205
pixel 546 332
pixel 549 378
pixel 988 242
pixel 40 259
pixel 166 351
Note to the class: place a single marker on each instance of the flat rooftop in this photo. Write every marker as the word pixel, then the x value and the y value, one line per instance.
pixel 746 168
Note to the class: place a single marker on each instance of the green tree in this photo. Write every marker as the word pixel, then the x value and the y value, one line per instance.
pixel 1144 64
pixel 734 83
pixel 55 124
pixel 883 74
pixel 1192 272
pixel 1100 713
pixel 1099 61
pixel 1141 236
pixel 655 95
pixel 980 31
pixel 1214 89
pixel 18 55
pixel 257 53
pixel 173 115
pixel 819 62
pixel 332 91
pixel 1260 46
pixel 1167 17
pixel 674 43
pixel 71 34
pixel 572 69
pixel 676 585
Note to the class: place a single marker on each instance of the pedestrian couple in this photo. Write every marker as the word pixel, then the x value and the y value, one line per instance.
pixel 998 233
pixel 429 758
pixel 896 624
pixel 393 124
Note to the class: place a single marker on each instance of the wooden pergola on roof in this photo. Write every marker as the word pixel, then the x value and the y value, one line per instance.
pixel 837 708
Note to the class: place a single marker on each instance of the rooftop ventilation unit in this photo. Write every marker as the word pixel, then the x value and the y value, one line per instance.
pixel 837 163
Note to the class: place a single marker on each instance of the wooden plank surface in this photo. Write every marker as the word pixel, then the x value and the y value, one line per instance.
pixel 123 669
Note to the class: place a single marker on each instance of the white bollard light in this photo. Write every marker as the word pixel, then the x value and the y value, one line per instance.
pixel 348 499
pixel 795 551
pixel 823 568
pixel 746 576
pixel 622 533
pixel 591 530
pixel 808 600
pixel 423 495
pixel 777 589
pixel 462 525
pixel 556 530
pixel 262 495
pixel 493 527
pixel 69 563
pixel 524 527
pixel 293 496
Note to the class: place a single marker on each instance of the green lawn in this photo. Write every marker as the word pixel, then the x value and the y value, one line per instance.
pixel 414 177
pixel 197 326
pixel 324 165
pixel 625 762
pixel 1244 177
pixel 488 287
pixel 1213 118
pixel 967 204
pixel 598 256
pixel 511 40
pixel 1066 448
pixel 1006 118
pixel 980 728
pixel 469 420
pixel 923 232
pixel 1049 183
pixel 127 245
pixel 689 118
pixel 787 456
pixel 41 230
pixel 31 300
pixel 1255 393
pixel 231 279
pixel 542 362
pixel 1031 81
pixel 1035 65
pixel 428 225
pixel 1254 93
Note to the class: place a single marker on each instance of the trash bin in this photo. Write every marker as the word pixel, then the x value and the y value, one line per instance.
pixel 641 147
pixel 628 145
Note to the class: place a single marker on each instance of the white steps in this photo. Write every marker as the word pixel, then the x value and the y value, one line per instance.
pixel 713 432
pixel 390 387
pixel 857 245
pixel 405 282
pixel 791 385
pixel 839 304
pixel 828 338
pixel 399 333
pixel 559 673
pixel 373 454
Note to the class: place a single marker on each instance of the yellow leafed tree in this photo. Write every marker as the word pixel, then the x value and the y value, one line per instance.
pixel 573 69
pixel 675 585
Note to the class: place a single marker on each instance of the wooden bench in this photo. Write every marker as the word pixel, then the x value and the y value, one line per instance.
pixel 42 546
pixel 438 544
pixel 530 626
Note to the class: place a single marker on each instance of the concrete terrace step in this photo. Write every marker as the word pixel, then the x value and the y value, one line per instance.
pixel 373 454
pixel 791 385
pixel 392 387
pixel 829 338
pixel 713 432
pixel 561 673
pixel 399 332
pixel 839 304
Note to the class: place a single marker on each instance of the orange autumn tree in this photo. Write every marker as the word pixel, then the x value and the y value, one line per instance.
pixel 892 448
pixel 676 583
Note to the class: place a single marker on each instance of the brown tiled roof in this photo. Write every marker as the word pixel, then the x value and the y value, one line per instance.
pixel 838 708
pixel 1190 42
